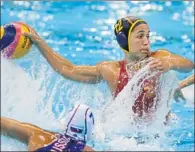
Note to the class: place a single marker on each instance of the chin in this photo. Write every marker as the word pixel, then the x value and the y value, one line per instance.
pixel 143 55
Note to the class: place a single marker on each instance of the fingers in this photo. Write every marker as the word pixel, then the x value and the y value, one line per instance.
pixel 32 34
pixel 29 35
pixel 34 38
pixel 153 61
pixel 178 94
pixel 159 65
pixel 149 59
pixel 31 30
pixel 156 65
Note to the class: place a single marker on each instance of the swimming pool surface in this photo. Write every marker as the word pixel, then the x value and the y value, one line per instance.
pixel 83 33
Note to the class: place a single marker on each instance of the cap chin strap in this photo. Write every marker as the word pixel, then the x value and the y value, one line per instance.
pixel 129 34
pixel 2 32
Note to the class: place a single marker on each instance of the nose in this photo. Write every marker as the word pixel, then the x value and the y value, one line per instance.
pixel 146 41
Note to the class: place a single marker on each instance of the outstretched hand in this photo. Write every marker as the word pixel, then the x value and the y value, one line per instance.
pixel 32 35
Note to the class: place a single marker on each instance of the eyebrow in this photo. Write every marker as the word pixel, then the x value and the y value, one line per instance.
pixel 142 32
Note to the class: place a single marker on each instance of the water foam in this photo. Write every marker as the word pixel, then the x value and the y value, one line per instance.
pixel 39 96
pixel 118 123
pixel 117 132
pixel 21 98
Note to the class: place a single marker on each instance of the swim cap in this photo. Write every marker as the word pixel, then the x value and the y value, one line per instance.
pixel 123 29
pixel 79 122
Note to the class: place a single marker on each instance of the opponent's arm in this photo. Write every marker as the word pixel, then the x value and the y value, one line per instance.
pixel 182 84
pixel 186 82
pixel 89 74
pixel 16 129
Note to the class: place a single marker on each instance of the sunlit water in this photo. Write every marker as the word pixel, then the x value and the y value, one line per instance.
pixel 32 92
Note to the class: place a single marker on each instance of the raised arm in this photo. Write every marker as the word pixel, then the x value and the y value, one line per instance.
pixel 180 64
pixel 88 74
pixel 167 61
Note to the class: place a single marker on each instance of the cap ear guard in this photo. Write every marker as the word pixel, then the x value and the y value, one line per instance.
pixel 122 40
pixel 122 27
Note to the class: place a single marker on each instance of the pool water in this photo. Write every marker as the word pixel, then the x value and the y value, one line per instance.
pixel 83 33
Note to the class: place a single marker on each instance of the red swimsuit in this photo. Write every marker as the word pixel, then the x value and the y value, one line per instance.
pixel 142 103
pixel 122 79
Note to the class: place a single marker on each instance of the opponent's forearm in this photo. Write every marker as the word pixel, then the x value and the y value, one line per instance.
pixel 188 81
pixel 13 129
pixel 6 125
pixel 55 60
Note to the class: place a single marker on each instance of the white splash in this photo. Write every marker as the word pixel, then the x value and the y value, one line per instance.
pixel 118 121
pixel 21 98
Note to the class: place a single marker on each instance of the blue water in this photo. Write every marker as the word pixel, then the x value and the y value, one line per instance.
pixel 83 33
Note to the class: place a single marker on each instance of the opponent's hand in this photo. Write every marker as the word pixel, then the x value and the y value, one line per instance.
pixel 161 65
pixel 178 94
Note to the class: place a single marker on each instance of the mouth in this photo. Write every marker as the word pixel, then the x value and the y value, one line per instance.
pixel 145 51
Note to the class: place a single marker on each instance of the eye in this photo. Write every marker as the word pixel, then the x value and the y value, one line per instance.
pixel 148 36
pixel 140 36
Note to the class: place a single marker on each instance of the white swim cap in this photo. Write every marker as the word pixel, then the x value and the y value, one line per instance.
pixel 79 122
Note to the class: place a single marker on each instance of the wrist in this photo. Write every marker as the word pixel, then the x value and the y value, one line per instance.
pixel 182 85
pixel 38 42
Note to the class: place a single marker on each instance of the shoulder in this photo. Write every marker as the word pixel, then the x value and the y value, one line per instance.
pixel 160 53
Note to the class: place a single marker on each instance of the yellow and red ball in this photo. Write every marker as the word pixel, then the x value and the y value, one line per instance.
pixel 12 43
